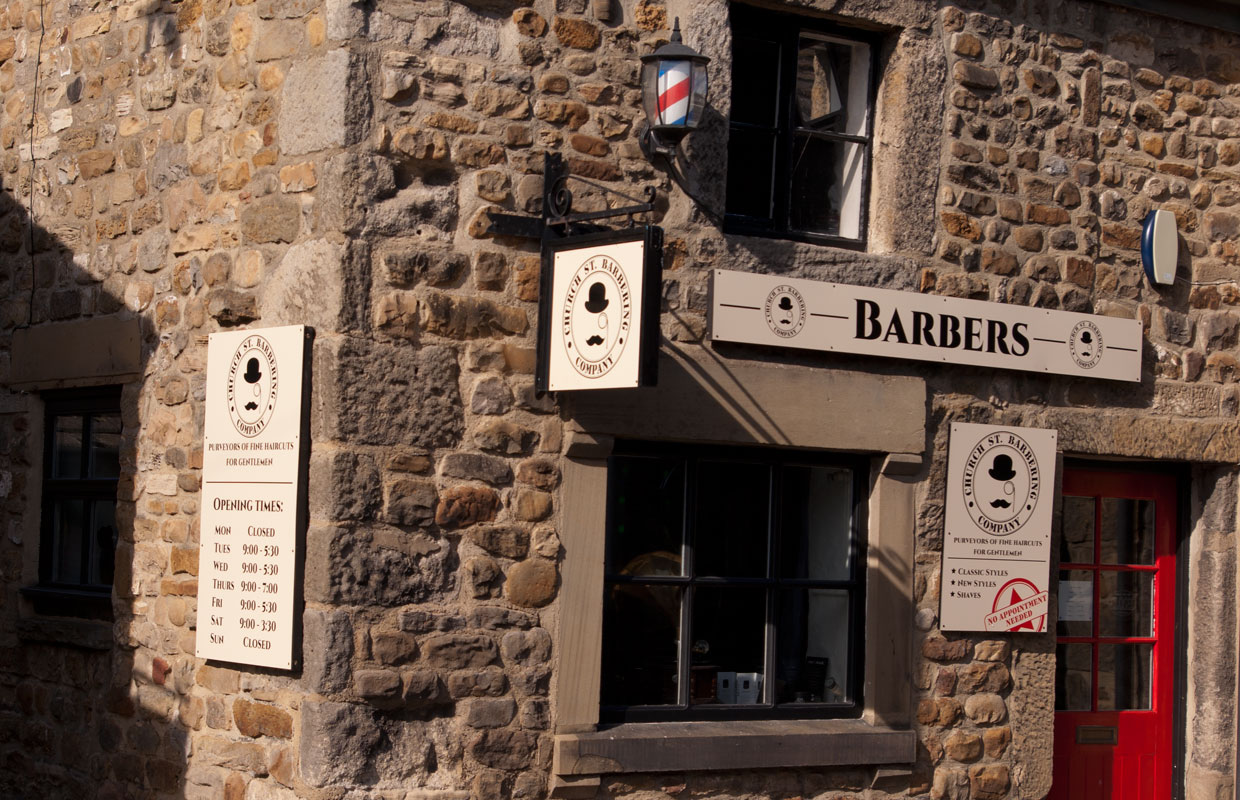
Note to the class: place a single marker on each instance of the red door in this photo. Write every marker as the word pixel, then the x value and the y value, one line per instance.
pixel 1115 659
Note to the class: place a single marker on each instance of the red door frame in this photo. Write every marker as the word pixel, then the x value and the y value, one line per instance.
pixel 1140 765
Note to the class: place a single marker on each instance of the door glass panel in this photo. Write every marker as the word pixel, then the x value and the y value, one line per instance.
pixel 729 628
pixel 1124 676
pixel 813 656
pixel 648 516
pixel 733 511
pixel 1073 671
pixel 1077 543
pixel 1126 604
pixel 640 649
pixel 1127 531
pixel 816 523
pixel 1076 603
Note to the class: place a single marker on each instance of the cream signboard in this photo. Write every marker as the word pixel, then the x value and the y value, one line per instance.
pixel 247 565
pixel 600 307
pixel 997 540
pixel 787 312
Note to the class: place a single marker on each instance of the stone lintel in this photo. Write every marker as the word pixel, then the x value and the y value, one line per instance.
pixel 706 396
pixel 79 353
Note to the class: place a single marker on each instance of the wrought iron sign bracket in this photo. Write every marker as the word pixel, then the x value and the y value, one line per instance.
pixel 557 218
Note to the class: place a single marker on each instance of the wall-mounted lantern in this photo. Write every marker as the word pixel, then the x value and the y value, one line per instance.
pixel 673 93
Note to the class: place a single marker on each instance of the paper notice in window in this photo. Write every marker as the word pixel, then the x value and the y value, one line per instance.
pixel 1076 601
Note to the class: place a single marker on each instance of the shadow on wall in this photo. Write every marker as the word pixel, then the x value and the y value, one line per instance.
pixel 92 707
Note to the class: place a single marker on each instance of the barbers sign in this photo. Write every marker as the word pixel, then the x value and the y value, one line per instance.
pixel 787 312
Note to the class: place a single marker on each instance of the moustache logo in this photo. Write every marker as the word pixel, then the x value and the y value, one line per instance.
pixel 250 406
pixel 1000 503
pixel 594 340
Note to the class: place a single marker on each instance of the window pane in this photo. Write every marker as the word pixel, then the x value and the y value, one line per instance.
pixel 729 636
pixel 1127 531
pixel 1126 605
pixel 832 84
pixel 1076 603
pixel 813 647
pixel 755 81
pixel 826 177
pixel 67 447
pixel 640 647
pixel 816 523
pixel 103 543
pixel 733 510
pixel 1124 676
pixel 1077 544
pixel 1073 677
pixel 647 516
pixel 68 522
pixel 751 165
pixel 105 446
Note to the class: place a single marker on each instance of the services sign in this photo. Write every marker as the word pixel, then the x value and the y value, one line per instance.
pixel 788 312
pixel 252 468
pixel 598 326
pixel 997 542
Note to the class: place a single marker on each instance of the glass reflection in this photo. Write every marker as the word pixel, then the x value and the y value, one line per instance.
pixel 1076 545
pixel 813 656
pixel 1073 670
pixel 1127 531
pixel 1124 676
pixel 1126 603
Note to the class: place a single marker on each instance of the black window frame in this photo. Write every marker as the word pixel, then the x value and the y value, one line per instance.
pixel 773 583
pixel 785 31
pixel 63 597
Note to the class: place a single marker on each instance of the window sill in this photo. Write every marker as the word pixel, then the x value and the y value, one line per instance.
pixel 83 633
pixel 55 601
pixel 677 746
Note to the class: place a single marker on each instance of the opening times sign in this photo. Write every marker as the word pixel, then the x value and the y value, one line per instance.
pixel 997 543
pixel 247 566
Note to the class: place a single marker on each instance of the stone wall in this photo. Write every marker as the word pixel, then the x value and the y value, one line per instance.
pixel 205 164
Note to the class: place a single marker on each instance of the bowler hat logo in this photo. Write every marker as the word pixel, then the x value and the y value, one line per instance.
pixel 598 311
pixel 785 311
pixel 1085 344
pixel 1002 482
pixel 253 385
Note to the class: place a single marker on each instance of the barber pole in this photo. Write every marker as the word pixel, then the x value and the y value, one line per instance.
pixel 673 92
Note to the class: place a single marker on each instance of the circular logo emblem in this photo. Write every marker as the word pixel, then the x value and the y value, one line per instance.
pixel 1002 483
pixel 1085 344
pixel 785 311
pixel 598 311
pixel 253 383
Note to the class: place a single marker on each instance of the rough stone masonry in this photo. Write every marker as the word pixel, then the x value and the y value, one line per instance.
pixel 199 165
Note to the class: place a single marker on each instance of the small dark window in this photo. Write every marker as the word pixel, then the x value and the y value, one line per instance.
pixel 799 134
pixel 734 585
pixel 81 465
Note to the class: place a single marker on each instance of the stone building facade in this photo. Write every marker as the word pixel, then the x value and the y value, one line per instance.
pixel 174 169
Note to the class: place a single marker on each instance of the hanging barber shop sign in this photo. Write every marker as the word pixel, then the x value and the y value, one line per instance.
pixel 785 312
pixel 599 315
